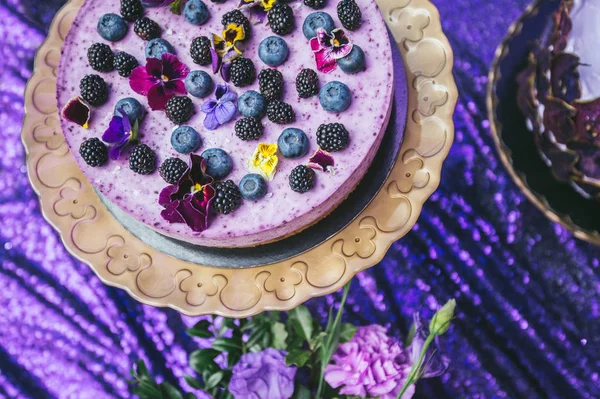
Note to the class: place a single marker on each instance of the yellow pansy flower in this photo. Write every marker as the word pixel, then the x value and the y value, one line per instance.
pixel 264 160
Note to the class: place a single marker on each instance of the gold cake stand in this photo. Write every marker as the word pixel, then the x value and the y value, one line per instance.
pixel 91 233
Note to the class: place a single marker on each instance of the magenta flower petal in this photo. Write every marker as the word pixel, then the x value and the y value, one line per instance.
pixel 341 51
pixel 315 45
pixel 323 39
pixel 141 82
pixel 171 214
pixel 175 87
pixel 321 160
pixel 173 68
pixel 325 62
pixel 159 80
pixel 195 218
pixel 157 98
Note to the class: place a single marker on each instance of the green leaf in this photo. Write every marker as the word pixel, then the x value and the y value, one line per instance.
pixel 297 357
pixel 214 380
pixel 176 7
pixel 146 390
pixel 347 332
pixel 233 358
pixel 302 392
pixel 200 330
pixel 411 335
pixel 229 323
pixel 169 391
pixel 226 345
pixel 189 395
pixel 301 321
pixel 192 382
pixel 203 359
pixel 142 370
pixel 257 336
pixel 279 335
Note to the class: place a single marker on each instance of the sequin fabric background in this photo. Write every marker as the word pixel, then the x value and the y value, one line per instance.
pixel 528 292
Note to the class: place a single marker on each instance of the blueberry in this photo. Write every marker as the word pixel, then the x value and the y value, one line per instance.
pixel 157 47
pixel 253 187
pixel 273 51
pixel 199 84
pixel 185 140
pixel 252 103
pixel 315 21
pixel 293 143
pixel 196 12
pixel 132 108
pixel 112 27
pixel 335 97
pixel 219 163
pixel 353 62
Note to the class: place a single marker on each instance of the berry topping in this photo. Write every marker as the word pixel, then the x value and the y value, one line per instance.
pixel 142 160
pixel 353 62
pixel 270 82
pixel 131 108
pixel 280 112
pixel 199 84
pixel 335 97
pixel 218 163
pixel 349 14
pixel 253 187
pixel 94 152
pixel 131 9
pixel 227 198
pixel 316 4
pixel 125 63
pixel 293 143
pixel 196 12
pixel 179 109
pixel 185 140
pixel 302 179
pixel 273 51
pixel 200 50
pixel 281 19
pixel 172 169
pixel 249 128
pixel 242 72
pixel 236 17
pixel 101 57
pixel 157 47
pixel 307 83
pixel 332 137
pixel 315 21
pixel 112 27
pixel 146 29
pixel 252 103
pixel 94 90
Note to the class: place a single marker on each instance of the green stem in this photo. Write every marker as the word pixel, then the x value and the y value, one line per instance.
pixel 412 377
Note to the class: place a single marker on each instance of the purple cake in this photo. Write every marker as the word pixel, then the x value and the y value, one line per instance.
pixel 226 124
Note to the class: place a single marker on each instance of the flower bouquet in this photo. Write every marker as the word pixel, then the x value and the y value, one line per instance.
pixel 283 356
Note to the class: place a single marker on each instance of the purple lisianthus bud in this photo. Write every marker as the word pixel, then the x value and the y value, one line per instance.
pixel 262 375
pixel 370 365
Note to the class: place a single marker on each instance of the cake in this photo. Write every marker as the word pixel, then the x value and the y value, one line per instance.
pixel 226 124
pixel 559 93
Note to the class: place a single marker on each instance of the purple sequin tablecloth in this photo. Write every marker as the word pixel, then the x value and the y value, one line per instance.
pixel 528 292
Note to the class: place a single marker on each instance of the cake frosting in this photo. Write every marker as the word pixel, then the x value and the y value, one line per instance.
pixel 282 211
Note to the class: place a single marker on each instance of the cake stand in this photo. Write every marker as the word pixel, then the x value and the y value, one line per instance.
pixel 96 236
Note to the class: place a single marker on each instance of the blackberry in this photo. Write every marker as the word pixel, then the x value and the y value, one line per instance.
pixel 302 179
pixel 125 63
pixel 172 169
pixel 280 112
pixel 131 9
pixel 94 90
pixel 227 197
pixel 142 160
pixel 270 82
pixel 179 109
pixel 349 14
pixel 242 72
pixel 94 152
pixel 236 17
pixel 281 19
pixel 146 29
pixel 200 50
pixel 101 57
pixel 307 83
pixel 316 4
pixel 249 128
pixel 332 137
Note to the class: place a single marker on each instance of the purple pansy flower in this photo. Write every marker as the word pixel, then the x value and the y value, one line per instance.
pixel 120 134
pixel 220 110
pixel 189 201
pixel 329 48
pixel 159 80
pixel 157 3
pixel 322 160
pixel 225 49
pixel 257 9
pixel 262 375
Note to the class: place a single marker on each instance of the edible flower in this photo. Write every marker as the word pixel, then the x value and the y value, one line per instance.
pixel 588 121
pixel 157 3
pixel 258 9
pixel 322 160
pixel 120 133
pixel 224 49
pixel 159 80
pixel 220 110
pixel 77 111
pixel 328 48
pixel 189 201
pixel 264 161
